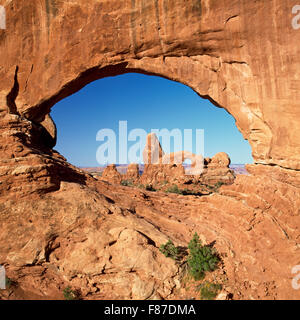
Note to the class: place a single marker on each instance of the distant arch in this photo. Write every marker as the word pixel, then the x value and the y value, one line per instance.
pixel 197 161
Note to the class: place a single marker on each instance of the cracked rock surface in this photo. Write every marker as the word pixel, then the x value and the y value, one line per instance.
pixel 241 55
pixel 59 226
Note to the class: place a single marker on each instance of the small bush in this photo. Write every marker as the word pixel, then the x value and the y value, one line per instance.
pixel 201 259
pixel 126 183
pixel 149 187
pixel 174 189
pixel 219 184
pixel 169 250
pixel 208 290
pixel 70 294
pixel 10 283
pixel 187 192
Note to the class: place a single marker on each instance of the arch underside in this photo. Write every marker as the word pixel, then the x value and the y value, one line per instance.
pixel 56 48
pixel 37 113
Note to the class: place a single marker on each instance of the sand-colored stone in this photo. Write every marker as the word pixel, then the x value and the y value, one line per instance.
pixel 111 174
pixel 152 153
pixel 49 50
pixel 221 159
pixel 132 173
pixel 242 55
pixel 103 239
pixel 157 173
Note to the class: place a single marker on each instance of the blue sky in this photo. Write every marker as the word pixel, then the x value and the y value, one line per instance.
pixel 145 102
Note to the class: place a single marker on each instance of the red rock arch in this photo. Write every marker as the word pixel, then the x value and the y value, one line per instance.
pixel 57 47
pixel 197 161
pixel 242 55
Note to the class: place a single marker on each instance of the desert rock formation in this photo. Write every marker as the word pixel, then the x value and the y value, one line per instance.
pixel 111 174
pixel 152 153
pixel 133 172
pixel 241 55
pixel 216 48
pixel 168 168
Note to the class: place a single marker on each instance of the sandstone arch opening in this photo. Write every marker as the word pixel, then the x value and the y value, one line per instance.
pixel 51 49
pixel 147 102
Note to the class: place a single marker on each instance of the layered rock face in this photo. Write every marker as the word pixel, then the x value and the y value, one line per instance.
pixel 213 47
pixel 216 170
pixel 59 226
pixel 103 239
pixel 111 174
pixel 51 49
pixel 133 172
pixel 168 168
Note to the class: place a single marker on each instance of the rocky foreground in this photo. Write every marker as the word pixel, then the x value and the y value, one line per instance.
pixel 103 239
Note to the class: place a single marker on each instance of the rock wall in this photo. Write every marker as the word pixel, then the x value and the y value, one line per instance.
pixel 241 55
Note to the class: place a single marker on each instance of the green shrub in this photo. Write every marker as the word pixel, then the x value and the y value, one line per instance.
pixel 70 294
pixel 149 188
pixel 187 192
pixel 219 184
pixel 174 189
pixel 201 259
pixel 169 250
pixel 208 290
pixel 10 283
pixel 126 183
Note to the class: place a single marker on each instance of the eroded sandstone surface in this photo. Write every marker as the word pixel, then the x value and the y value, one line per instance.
pixel 60 226
pixel 241 55
pixel 103 239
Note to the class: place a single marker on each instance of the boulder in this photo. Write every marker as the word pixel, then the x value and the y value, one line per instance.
pixel 111 174
pixel 221 159
pixel 132 173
